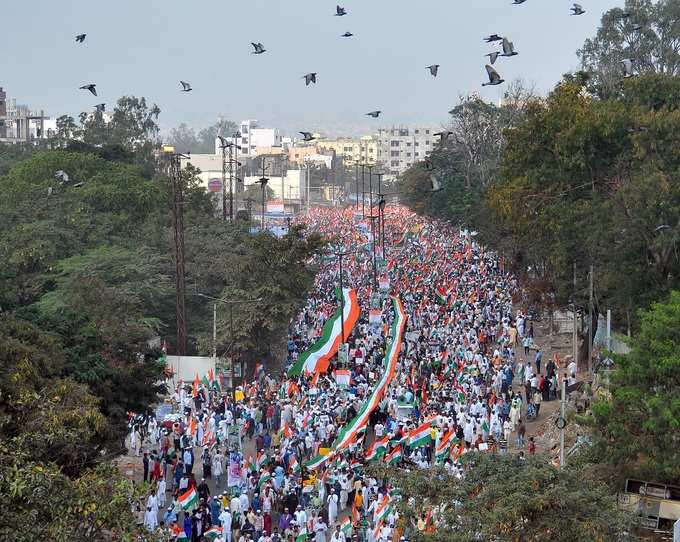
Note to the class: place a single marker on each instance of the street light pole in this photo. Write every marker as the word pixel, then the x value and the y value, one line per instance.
pixel 363 190
pixel 356 178
pixel 263 181
pixel 370 187
pixel 373 218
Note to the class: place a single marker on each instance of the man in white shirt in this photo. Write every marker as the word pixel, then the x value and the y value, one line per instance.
pixel 225 520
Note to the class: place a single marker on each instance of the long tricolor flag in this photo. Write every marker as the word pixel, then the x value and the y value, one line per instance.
pixel 348 434
pixel 420 436
pixel 317 461
pixel 394 456
pixel 188 500
pixel 378 448
pixel 316 359
pixel 264 478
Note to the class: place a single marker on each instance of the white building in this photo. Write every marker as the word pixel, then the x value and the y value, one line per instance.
pixel 252 137
pixel 400 147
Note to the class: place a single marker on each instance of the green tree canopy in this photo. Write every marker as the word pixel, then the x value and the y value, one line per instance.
pixel 639 423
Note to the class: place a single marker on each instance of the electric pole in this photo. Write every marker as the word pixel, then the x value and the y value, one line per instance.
pixel 574 337
pixel 263 181
pixel 590 322
pixel 175 174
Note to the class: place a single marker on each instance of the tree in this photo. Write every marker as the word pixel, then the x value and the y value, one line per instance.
pixel 185 139
pixel 639 423
pixel 590 181
pixel 504 498
pixel 653 48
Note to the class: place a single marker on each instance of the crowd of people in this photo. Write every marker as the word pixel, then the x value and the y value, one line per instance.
pixel 279 462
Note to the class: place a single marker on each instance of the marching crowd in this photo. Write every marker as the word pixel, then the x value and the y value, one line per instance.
pixel 459 387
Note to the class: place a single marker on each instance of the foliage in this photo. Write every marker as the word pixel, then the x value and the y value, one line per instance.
pixel 639 424
pixel 185 138
pixel 654 48
pixel 467 161
pixel 503 498
pixel 44 504
pixel 276 272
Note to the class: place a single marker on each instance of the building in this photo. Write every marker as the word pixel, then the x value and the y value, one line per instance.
pixel 253 137
pixel 18 123
pixel 401 147
pixel 363 150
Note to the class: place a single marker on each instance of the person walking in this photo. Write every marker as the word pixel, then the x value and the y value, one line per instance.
pixel 521 432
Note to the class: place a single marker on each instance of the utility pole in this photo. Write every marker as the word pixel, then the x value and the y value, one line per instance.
pixel 224 179
pixel 590 323
pixel 574 337
pixel 175 174
pixel 214 333
pixel 370 187
pixel 373 218
pixel 263 181
pixel 563 420
pixel 363 190
pixel 356 178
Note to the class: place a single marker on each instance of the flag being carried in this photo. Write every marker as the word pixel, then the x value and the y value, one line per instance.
pixel 188 500
pixel 420 436
pixel 348 434
pixel 316 359
pixel 394 456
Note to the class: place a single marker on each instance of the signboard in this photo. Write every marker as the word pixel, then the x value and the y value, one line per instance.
pixel 215 185
pixel 275 206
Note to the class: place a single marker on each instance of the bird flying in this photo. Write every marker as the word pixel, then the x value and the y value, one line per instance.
pixel 100 107
pixel 519 2
pixel 310 78
pixel 307 136
pixel 347 35
pixel 577 10
pixel 80 38
pixel 493 56
pixel 340 11
pixel 259 48
pixel 92 87
pixel 433 69
pixel 374 114
pixel 492 38
pixel 508 48
pixel 186 87
pixel 494 78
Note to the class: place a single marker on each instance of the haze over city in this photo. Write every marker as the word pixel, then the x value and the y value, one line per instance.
pixel 145 48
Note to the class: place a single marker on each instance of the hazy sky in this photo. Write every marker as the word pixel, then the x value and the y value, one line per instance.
pixel 144 47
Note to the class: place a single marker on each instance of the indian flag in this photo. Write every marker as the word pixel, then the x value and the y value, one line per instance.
pixel 442 449
pixel 347 434
pixel 261 460
pixel 182 536
pixel 420 436
pixel 317 461
pixel 293 465
pixel 302 536
pixel 264 478
pixel 342 377
pixel 383 509
pixel 394 456
pixel 317 358
pixel 188 500
pixel 377 449
pixel 346 526
pixel 441 296
pixel 212 533
pixel 287 431
pixel 250 465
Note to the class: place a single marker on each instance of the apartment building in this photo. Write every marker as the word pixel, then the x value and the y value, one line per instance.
pixel 363 150
pixel 399 147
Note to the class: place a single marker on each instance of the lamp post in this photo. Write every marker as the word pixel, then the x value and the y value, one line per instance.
pixel 230 303
pixel 373 218
pixel 356 178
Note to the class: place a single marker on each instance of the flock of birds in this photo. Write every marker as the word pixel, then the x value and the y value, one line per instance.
pixel 494 78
